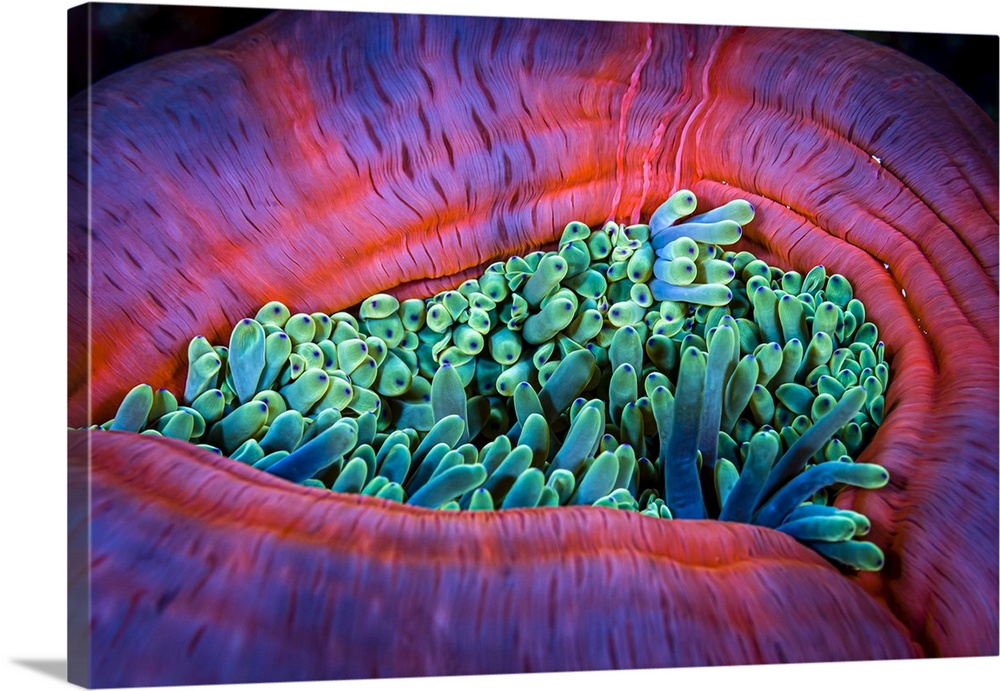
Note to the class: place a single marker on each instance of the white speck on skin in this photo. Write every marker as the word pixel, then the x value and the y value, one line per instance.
pixel 877 159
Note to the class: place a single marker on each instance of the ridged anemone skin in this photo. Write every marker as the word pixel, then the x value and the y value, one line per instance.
pixel 319 158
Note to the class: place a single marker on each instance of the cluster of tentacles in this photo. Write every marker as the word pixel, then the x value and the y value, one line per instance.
pixel 635 367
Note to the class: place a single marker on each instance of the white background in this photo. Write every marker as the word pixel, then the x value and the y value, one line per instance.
pixel 32 452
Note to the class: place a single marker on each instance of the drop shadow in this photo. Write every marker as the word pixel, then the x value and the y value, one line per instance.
pixel 50 668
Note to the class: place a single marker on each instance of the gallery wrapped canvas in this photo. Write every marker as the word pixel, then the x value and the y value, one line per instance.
pixel 420 345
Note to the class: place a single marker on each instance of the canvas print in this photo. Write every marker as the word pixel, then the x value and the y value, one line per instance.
pixel 406 345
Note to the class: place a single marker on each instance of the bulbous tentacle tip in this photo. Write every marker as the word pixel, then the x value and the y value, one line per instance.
pixel 179 424
pixel 680 204
pixel 739 211
pixel 526 491
pixel 378 306
pixel 247 357
pixel 573 232
pixel 698 294
pixel 300 328
pixel 680 272
pixel 481 500
pixel 133 412
pixel 274 313
pixel 862 556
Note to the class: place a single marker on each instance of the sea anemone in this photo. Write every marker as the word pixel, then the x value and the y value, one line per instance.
pixel 760 387
pixel 404 155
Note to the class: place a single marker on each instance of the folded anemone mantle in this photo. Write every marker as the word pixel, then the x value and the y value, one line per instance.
pixel 318 158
